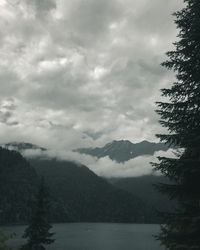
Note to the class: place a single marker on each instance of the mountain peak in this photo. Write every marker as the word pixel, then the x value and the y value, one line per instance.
pixel 122 141
pixel 124 150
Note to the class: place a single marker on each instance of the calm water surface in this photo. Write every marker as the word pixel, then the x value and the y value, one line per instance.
pixel 98 236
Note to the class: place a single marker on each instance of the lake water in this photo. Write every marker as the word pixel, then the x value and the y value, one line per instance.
pixel 98 236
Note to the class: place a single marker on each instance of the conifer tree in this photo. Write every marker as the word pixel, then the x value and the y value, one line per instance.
pixel 181 116
pixel 4 237
pixel 38 232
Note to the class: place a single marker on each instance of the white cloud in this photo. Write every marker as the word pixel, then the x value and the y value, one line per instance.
pixel 77 68
pixel 105 167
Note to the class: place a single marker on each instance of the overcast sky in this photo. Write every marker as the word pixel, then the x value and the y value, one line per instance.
pixel 82 72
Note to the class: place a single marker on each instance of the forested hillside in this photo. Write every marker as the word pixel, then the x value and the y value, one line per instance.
pixel 76 193
pixel 144 187
pixel 18 184
pixel 86 196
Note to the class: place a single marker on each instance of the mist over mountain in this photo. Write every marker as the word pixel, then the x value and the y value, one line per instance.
pixel 77 194
pixel 98 161
pixel 124 150
pixel 21 146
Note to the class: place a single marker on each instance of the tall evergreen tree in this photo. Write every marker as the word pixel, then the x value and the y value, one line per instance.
pixel 181 116
pixel 38 232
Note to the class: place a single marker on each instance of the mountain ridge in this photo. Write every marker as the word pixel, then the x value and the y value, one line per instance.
pixel 123 150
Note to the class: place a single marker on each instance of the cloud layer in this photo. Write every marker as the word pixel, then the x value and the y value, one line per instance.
pixel 84 72
pixel 105 167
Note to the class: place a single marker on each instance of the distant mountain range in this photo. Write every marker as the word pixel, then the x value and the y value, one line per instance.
pixel 119 151
pixel 124 150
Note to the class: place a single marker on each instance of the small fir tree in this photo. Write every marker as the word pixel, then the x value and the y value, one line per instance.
pixel 181 116
pixel 4 237
pixel 38 232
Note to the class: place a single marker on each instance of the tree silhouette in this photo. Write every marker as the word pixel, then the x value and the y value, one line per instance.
pixel 38 232
pixel 181 116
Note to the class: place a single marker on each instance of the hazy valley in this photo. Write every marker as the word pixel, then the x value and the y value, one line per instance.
pixel 77 193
